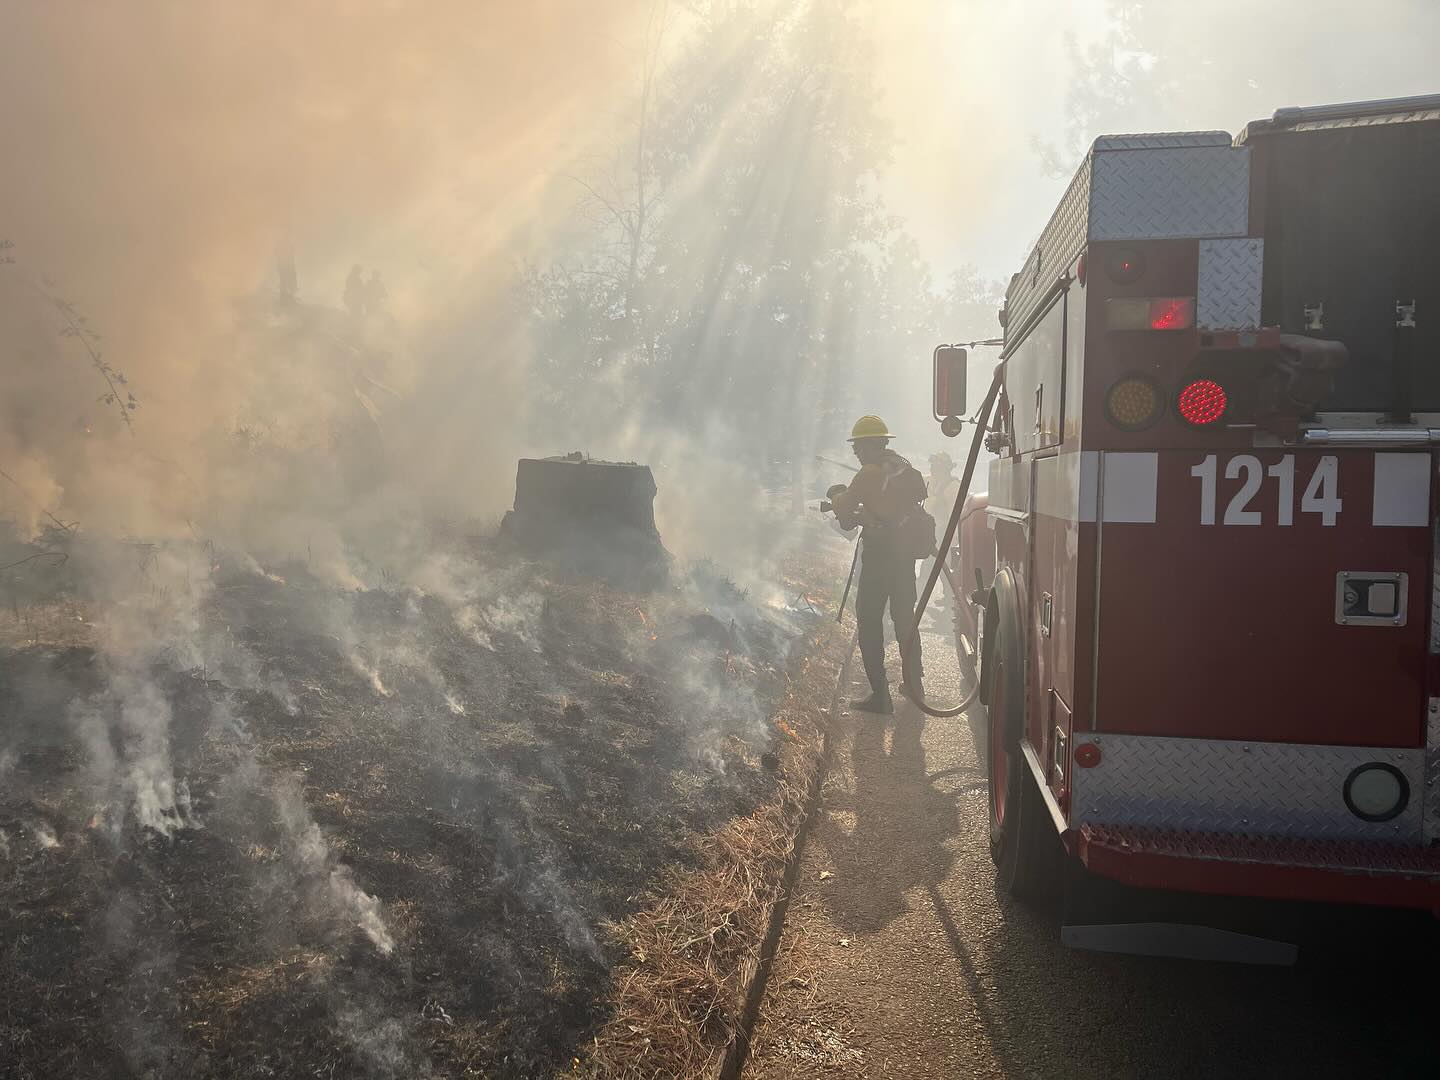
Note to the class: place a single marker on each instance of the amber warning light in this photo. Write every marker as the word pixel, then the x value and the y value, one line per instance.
pixel 1133 403
pixel 1150 313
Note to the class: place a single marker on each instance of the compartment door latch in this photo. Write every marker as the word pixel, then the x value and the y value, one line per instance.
pixel 1370 598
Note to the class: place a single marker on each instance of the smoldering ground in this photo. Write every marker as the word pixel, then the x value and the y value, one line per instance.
pixel 285 786
pixel 297 771
pixel 257 822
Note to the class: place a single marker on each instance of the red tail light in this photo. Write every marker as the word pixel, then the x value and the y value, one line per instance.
pixel 1202 402
pixel 1150 313
pixel 1173 314
pixel 1125 266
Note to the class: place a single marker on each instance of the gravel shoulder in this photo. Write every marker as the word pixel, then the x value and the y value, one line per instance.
pixel 899 958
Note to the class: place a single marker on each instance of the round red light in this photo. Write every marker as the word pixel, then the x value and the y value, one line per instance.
pixel 1202 402
pixel 1087 755
pixel 1125 266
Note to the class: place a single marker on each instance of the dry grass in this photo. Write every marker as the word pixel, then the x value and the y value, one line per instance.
pixel 59 623
pixel 693 951
pixel 578 751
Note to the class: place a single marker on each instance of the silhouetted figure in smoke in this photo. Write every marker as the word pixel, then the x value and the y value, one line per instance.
pixel 374 295
pixel 364 296
pixel 355 291
pixel 943 486
pixel 286 280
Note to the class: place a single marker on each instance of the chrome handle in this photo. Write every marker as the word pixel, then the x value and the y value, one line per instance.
pixel 1371 437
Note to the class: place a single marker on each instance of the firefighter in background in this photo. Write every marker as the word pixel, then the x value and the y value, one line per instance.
pixel 884 499
pixel 943 485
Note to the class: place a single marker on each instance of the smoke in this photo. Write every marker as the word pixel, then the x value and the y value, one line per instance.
pixel 162 155
pixel 147 601
pixel 974 89
pixel 44 836
pixel 314 867
pixel 278 629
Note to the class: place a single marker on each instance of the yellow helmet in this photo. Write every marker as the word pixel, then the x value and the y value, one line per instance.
pixel 870 427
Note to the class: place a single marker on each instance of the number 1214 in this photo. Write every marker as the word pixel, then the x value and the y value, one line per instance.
pixel 1321 495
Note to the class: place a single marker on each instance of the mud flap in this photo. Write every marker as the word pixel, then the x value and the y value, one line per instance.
pixel 1099 915
pixel 1179 941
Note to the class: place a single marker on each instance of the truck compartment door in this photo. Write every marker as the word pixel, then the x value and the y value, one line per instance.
pixel 1278 595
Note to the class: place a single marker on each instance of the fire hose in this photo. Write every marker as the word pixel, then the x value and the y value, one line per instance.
pixel 982 421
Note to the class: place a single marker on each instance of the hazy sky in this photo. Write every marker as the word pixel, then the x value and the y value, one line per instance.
pixel 164 151
pixel 971 84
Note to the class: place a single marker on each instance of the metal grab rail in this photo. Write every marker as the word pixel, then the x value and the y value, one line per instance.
pixel 1370 437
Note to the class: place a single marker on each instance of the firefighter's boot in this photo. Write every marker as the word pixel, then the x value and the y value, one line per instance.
pixel 878 702
pixel 912 681
pixel 913 689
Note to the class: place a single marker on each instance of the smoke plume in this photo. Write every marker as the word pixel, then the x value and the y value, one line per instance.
pixel 167 159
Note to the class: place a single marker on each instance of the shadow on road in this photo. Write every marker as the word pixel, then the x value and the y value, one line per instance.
pixel 949 978
pixel 1360 1003
pixel 890 834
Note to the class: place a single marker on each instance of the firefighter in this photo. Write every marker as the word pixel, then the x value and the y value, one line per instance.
pixel 884 498
pixel 941 485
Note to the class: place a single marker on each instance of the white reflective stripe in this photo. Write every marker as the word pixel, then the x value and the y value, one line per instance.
pixel 1058 486
pixel 1129 483
pixel 1402 490
pixel 1089 485
pixel 1005 492
pixel 1072 492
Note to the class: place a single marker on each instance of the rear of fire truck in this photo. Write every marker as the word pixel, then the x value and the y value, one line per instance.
pixel 1210 648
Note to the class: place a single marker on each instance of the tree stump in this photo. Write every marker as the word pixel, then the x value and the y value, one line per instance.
pixel 594 517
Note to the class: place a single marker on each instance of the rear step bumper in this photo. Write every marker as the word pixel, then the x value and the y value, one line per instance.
pixel 1284 868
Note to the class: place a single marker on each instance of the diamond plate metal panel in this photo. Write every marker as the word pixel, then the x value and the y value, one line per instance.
pixel 1171 193
pixel 1228 294
pixel 1060 243
pixel 1212 785
pixel 1161 140
pixel 1416 116
pixel 1431 824
pixel 1374 859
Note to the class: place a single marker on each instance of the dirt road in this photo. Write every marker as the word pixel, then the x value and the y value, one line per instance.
pixel 900 960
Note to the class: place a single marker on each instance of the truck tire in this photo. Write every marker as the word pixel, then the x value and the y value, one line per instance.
pixel 1023 842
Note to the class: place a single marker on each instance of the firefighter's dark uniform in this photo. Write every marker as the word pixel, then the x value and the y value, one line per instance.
pixel 882 495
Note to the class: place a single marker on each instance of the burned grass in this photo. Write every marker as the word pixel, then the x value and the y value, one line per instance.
pixel 390 831
pixel 694 948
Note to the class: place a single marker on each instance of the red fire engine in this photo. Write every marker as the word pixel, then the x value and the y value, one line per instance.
pixel 1202 586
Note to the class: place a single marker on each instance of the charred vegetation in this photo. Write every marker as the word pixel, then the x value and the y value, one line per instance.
pixel 374 831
